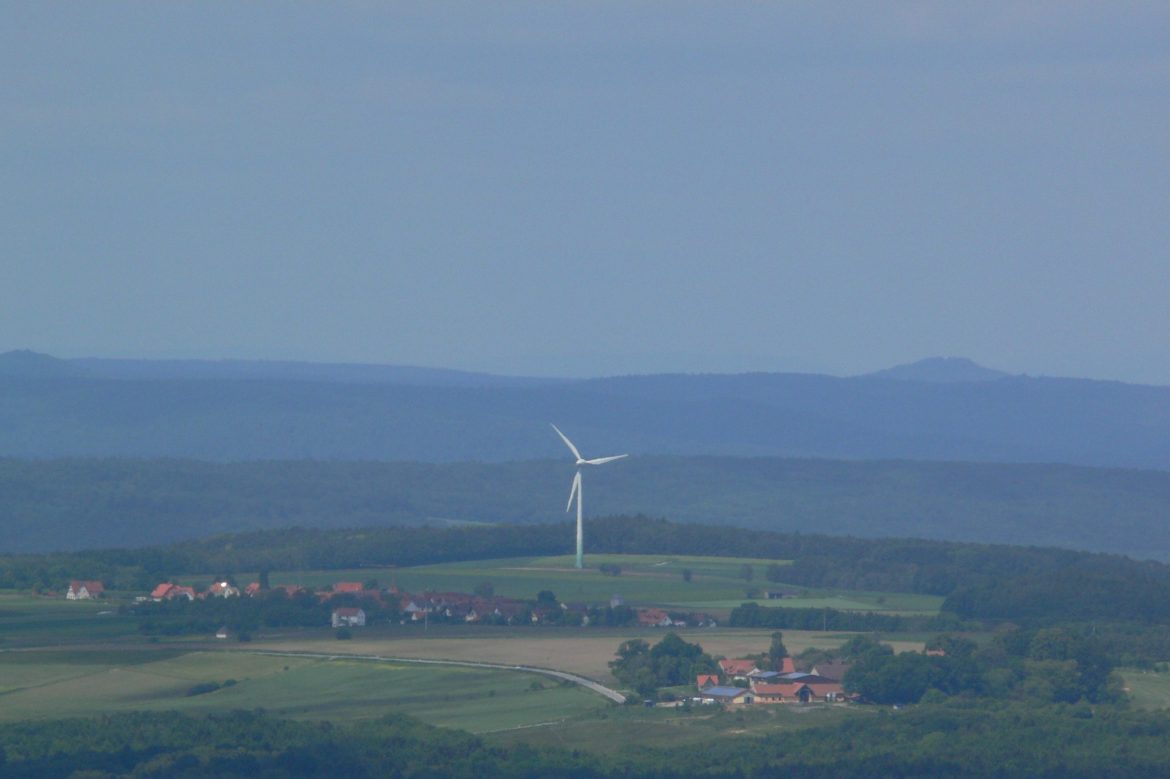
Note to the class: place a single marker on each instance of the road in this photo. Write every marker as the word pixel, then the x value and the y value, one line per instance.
pixel 596 687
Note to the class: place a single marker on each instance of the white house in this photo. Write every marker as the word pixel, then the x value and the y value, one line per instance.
pixel 348 617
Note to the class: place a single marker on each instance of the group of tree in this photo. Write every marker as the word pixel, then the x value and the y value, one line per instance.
pixel 669 663
pixel 1055 665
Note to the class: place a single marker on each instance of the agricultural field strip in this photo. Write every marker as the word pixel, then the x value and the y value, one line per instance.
pixel 597 687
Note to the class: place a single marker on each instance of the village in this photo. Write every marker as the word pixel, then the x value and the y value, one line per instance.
pixel 428 606
pixel 739 682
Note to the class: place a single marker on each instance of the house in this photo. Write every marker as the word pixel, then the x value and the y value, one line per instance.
pixel 252 589
pixel 84 590
pixel 728 696
pixel 827 691
pixel 738 668
pixel 703 681
pixel 656 618
pixel 222 590
pixel 222 633
pixel 348 617
pixel 787 665
pixel 169 591
pixel 354 588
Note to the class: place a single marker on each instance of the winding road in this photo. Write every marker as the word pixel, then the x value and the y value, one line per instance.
pixel 597 687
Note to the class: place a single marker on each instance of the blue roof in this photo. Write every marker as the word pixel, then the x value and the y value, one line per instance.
pixel 724 692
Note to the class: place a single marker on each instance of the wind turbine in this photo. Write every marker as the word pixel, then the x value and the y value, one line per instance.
pixel 575 490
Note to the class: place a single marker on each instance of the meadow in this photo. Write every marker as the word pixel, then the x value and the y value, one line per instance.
pixel 1147 689
pixel 58 684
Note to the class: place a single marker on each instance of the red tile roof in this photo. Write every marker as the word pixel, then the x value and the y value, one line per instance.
pixel 355 587
pixel 737 666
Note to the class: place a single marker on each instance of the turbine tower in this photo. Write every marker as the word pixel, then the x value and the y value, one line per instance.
pixel 575 490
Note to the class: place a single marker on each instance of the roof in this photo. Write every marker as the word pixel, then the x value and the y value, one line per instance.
pixel 348 611
pixel 787 665
pixel 707 679
pixel 161 590
pixel 90 586
pixel 651 616
pixel 790 690
pixel 824 688
pixel 738 665
pixel 348 587
pixel 725 692
pixel 834 669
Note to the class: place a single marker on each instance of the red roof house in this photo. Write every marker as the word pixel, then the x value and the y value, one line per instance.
pixel 738 667
pixel 84 590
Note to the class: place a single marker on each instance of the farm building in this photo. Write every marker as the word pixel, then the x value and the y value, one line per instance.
pixel 729 696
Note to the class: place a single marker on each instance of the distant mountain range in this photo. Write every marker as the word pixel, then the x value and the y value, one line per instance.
pixel 238 410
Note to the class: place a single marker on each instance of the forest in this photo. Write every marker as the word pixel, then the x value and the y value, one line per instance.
pixel 962 738
pixel 78 503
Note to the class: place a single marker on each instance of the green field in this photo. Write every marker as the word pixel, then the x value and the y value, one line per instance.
pixel 56 684
pixel 716 583
pixel 29 619
pixel 1147 689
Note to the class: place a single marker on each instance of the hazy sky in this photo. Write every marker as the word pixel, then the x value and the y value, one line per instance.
pixel 590 188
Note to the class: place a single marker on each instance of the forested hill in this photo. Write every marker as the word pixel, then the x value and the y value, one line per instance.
pixel 92 503
pixel 232 411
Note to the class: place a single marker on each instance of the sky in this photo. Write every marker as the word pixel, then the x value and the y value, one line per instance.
pixel 590 188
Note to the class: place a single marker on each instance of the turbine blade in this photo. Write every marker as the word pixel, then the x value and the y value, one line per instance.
pixel 574 490
pixel 568 443
pixel 602 460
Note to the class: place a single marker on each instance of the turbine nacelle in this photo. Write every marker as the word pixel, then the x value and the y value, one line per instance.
pixel 581 460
